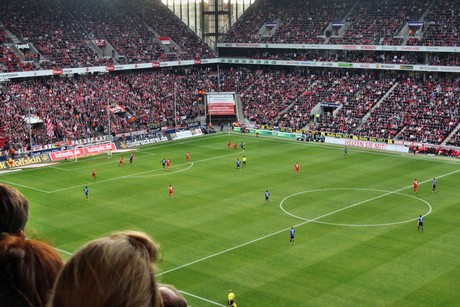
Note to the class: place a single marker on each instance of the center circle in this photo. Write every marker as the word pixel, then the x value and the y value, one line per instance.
pixel 385 193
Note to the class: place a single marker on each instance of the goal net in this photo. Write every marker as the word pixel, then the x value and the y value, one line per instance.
pixel 82 151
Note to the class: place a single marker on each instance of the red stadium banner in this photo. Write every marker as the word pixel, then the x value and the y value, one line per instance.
pixel 101 42
pixel 3 140
pixel 82 151
pixel 166 40
pixel 221 109
pixel 221 103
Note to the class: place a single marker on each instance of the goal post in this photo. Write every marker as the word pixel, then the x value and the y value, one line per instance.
pixel 81 151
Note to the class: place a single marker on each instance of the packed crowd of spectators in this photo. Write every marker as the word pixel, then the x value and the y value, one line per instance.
pixel 417 110
pixel 62 32
pixel 355 92
pixel 373 22
pixel 455 140
pixel 116 23
pixel 53 31
pixel 9 61
pixel 363 22
pixel 167 24
pixel 442 22
pixel 78 107
pixel 271 93
pixel 414 110
pixel 298 21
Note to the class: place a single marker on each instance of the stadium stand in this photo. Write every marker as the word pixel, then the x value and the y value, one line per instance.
pixel 77 106
pixel 418 107
pixel 440 27
pixel 68 33
pixel 293 21
pixel 377 22
pixel 415 110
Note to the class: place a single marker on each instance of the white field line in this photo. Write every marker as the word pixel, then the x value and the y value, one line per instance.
pixel 271 235
pixel 300 224
pixel 63 251
pixel 24 186
pixel 201 298
pixel 126 176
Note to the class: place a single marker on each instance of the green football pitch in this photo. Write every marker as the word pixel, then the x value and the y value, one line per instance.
pixel 355 218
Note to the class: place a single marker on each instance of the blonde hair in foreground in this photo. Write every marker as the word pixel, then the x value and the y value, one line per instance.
pixel 109 272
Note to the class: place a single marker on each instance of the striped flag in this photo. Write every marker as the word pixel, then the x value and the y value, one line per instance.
pixel 49 128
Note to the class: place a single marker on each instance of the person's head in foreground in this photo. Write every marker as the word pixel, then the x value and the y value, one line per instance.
pixel 14 210
pixel 109 272
pixel 28 270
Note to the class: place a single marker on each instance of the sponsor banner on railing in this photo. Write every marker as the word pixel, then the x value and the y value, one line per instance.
pixel 341 47
pixel 24 161
pixel 346 65
pixel 186 134
pixel 356 137
pixel 110 68
pixel 366 144
pixel 92 140
pixel 103 69
pixel 82 151
pixel 136 142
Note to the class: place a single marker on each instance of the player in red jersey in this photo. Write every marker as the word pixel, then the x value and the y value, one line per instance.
pixel 93 173
pixel 168 164
pixel 297 167
pixel 171 191
pixel 415 186
pixel 229 144
pixel 235 146
pixel 187 156
pixel 121 162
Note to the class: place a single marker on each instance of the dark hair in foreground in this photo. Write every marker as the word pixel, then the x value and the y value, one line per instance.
pixel 14 210
pixel 28 269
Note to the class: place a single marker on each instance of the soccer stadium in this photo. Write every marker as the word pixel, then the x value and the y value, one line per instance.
pixel 229 153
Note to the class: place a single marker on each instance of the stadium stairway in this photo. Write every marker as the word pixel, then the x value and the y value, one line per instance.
pixel 366 117
pixel 239 108
pixel 447 139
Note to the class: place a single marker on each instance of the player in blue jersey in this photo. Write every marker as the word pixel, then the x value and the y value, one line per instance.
pixel 435 183
pixel 420 223
pixel 292 235
pixel 345 151
pixel 86 191
pixel 267 196
pixel 238 164
pixel 131 158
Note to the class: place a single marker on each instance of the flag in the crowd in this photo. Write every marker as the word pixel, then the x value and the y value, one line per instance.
pixel 49 128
